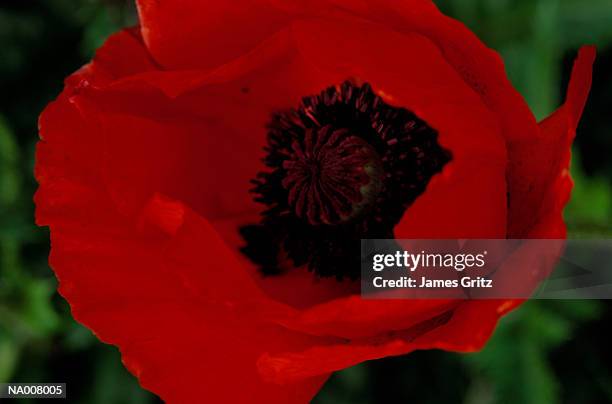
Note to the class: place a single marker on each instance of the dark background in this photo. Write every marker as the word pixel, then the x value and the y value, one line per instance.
pixel 546 352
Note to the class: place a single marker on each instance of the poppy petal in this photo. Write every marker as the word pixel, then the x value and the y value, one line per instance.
pixel 353 47
pixel 465 329
pixel 206 36
pixel 480 67
pixel 540 188
pixel 159 128
pixel 145 286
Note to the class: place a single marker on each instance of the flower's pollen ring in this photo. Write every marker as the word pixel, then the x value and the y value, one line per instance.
pixel 342 166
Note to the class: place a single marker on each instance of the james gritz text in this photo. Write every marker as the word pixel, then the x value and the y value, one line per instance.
pixel 425 283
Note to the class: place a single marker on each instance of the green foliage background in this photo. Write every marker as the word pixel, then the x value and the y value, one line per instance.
pixel 546 352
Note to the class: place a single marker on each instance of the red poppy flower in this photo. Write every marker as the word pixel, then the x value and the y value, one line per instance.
pixel 222 276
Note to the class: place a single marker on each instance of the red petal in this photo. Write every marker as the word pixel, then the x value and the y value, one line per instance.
pixel 165 289
pixel 145 282
pixel 180 309
pixel 539 179
pixel 418 79
pixel 352 317
pixel 462 326
pixel 465 329
pixel 123 54
pixel 206 34
pixel 172 132
pixel 333 49
pixel 480 67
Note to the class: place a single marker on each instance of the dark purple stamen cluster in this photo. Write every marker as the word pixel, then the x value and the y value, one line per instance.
pixel 327 174
pixel 343 166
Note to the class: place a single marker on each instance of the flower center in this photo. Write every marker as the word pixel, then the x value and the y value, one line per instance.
pixel 341 167
pixel 331 176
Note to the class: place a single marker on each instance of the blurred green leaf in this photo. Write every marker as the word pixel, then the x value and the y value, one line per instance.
pixel 515 362
pixel 589 212
pixel 113 383
pixel 9 353
pixel 348 387
pixel 77 337
pixel 104 23
pixel 586 22
pixel 10 177
pixel 38 311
